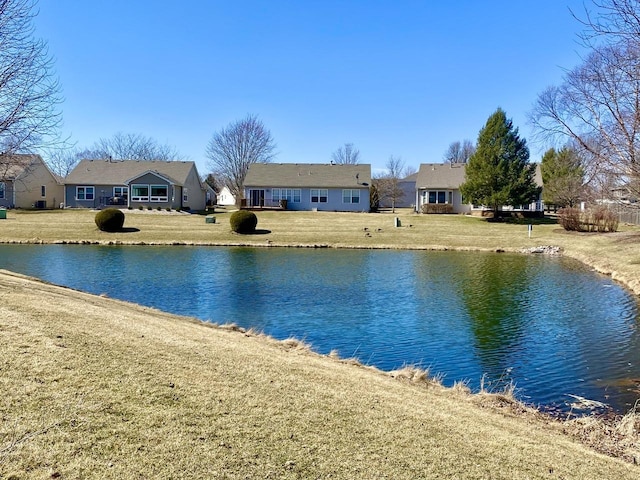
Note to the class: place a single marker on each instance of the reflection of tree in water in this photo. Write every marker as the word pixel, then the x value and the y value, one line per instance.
pixel 246 292
pixel 493 288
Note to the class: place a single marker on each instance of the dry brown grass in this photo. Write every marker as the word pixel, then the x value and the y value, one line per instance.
pixel 95 388
pixel 98 388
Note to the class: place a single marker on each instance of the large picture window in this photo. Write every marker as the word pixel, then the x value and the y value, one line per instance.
pixel 85 193
pixel 159 193
pixel 350 196
pixel 291 195
pixel 2 189
pixel 437 196
pixel 140 193
pixel 319 195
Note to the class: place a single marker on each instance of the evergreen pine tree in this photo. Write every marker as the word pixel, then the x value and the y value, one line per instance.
pixel 499 172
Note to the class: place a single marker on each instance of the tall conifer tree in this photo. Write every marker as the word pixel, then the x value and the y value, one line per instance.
pixel 499 172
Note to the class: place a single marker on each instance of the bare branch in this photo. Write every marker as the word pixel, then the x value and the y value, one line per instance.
pixel 234 148
pixel 347 155
pixel 29 93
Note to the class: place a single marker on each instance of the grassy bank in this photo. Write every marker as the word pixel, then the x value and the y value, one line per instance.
pixel 97 388
pixel 615 254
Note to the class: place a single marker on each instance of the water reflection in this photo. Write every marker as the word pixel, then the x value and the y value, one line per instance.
pixel 495 291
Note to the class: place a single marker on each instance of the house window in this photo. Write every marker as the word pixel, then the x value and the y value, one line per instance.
pixel 121 192
pixel 185 195
pixel 85 193
pixel 437 196
pixel 2 187
pixel 350 196
pixel 43 190
pixel 291 195
pixel 140 193
pixel 159 193
pixel 319 195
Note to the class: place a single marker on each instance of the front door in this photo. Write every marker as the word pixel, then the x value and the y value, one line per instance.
pixel 257 198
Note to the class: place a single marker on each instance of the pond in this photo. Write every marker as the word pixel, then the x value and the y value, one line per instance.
pixel 549 324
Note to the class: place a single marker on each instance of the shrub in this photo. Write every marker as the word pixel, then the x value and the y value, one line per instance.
pixel 140 207
pixel 599 219
pixel 110 220
pixel 569 219
pixel 243 221
pixel 437 208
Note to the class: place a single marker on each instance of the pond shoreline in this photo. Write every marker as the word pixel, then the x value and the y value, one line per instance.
pixel 630 283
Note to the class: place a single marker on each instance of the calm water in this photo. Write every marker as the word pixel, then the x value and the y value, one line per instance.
pixel 549 324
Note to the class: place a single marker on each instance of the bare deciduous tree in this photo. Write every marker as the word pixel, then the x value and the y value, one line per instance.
pixel 234 148
pixel 388 185
pixel 62 160
pixel 615 20
pixel 597 107
pixel 346 155
pixel 131 146
pixel 29 93
pixel 459 152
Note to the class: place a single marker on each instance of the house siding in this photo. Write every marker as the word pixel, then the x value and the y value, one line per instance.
pixel 25 191
pixel 7 200
pixel 305 177
pixel 334 200
pixel 457 203
pixel 91 170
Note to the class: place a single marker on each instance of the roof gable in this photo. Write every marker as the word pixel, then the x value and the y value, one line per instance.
pixel 440 175
pixel 119 172
pixel 151 172
pixel 13 166
pixel 451 176
pixel 306 175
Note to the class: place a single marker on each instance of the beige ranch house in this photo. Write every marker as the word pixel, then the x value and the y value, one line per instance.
pixel 27 182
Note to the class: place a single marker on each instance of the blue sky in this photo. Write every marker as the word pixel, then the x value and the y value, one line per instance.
pixel 402 78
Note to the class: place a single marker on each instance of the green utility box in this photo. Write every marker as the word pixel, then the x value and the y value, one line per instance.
pixel 210 219
pixel 3 213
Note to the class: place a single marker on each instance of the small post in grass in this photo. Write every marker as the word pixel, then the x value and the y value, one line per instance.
pixel 530 228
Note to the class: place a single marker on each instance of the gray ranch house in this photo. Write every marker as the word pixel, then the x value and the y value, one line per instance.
pixel 135 183
pixel 309 186
pixel 438 191
pixel 438 188
pixel 27 182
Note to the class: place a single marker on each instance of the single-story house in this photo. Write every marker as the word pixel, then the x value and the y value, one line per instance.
pixel 27 182
pixel 309 186
pixel 135 183
pixel 438 190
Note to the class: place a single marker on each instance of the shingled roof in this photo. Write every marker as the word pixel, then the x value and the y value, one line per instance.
pixel 450 176
pixel 117 172
pixel 12 166
pixel 306 175
pixel 440 175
